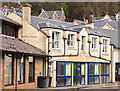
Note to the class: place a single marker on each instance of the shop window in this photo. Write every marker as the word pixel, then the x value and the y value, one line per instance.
pixel 94 43
pixel 104 45
pixel 60 69
pixel 104 73
pixel 8 71
pixel 31 69
pixel 55 40
pixel 70 40
pixel 91 69
pixel 60 82
pixel 64 74
pixel 94 73
pixel 21 70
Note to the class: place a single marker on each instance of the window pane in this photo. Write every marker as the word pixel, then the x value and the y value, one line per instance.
pixel 60 69
pixel 31 69
pixel 82 69
pixel 102 68
pixel 91 68
pixel 96 79
pixel 82 80
pixel 78 80
pixel 91 80
pixel 96 69
pixel 68 81
pixel 74 80
pixel 21 70
pixel 8 70
pixel 60 81
pixel 75 69
pixel 68 69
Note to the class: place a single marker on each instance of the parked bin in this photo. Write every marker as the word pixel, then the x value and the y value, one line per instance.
pixel 44 81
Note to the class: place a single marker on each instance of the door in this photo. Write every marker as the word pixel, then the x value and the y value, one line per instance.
pixel 117 72
pixel 78 74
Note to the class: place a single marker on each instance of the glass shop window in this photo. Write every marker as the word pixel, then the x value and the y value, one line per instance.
pixel 60 69
pixel 70 40
pixel 21 70
pixel 31 69
pixel 91 69
pixel 8 71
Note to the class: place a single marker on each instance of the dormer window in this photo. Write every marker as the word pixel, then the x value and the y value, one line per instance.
pixel 94 43
pixel 55 39
pixel 104 45
pixel 70 40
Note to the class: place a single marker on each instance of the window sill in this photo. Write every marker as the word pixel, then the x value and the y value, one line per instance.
pixel 71 48
pixel 94 50
pixel 9 85
pixel 55 48
pixel 105 54
pixel 20 83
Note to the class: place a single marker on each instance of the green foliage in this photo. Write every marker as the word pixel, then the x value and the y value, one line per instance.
pixel 65 7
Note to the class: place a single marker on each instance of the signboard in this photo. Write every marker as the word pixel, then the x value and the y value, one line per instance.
pixel 96 69
pixel 68 69
pixel 82 69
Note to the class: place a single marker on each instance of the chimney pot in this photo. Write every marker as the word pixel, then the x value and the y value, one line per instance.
pixel 61 9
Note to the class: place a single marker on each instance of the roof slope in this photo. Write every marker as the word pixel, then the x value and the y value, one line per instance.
pixel 17 45
pixel 113 34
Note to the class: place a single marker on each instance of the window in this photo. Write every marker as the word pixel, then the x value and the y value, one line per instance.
pixel 8 72
pixel 55 40
pixel 50 69
pixel 31 69
pixel 104 73
pixel 104 45
pixel 83 43
pixel 21 70
pixel 94 43
pixel 64 73
pixel 70 40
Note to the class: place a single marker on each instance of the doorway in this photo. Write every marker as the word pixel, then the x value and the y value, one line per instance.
pixel 117 72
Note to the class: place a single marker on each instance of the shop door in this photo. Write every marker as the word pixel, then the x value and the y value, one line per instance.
pixel 117 72
pixel 78 74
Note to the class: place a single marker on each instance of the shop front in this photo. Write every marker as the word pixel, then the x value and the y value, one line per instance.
pixel 75 73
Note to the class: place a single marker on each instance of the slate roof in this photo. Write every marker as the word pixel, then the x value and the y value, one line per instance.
pixel 9 20
pixel 12 44
pixel 36 20
pixel 50 13
pixel 100 24
pixel 113 34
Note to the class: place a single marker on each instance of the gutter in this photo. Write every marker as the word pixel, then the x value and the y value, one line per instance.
pixel 64 50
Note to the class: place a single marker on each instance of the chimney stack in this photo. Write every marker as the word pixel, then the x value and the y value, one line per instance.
pixel 26 9
pixel 61 9
pixel 42 9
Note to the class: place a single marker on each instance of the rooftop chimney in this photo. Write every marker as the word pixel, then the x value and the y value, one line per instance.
pixel 61 9
pixel 26 9
pixel 42 9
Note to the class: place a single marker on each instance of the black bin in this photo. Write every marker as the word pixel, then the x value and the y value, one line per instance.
pixel 44 81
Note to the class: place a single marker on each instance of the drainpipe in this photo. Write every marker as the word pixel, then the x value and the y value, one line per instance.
pixel 48 53
pixel 64 45
pixel 16 76
pixel 100 49
pixel 78 46
pixel 111 61
pixel 3 69
pixel 95 56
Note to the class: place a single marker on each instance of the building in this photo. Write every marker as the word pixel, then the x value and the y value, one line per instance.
pixel 80 55
pixel 57 15
pixel 115 52
pixel 20 62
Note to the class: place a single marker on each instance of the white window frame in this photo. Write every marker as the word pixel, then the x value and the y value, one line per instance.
pixel 71 40
pixel 56 40
pixel 94 44
pixel 104 45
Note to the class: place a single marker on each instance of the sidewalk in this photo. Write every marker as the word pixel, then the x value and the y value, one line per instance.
pixel 89 86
